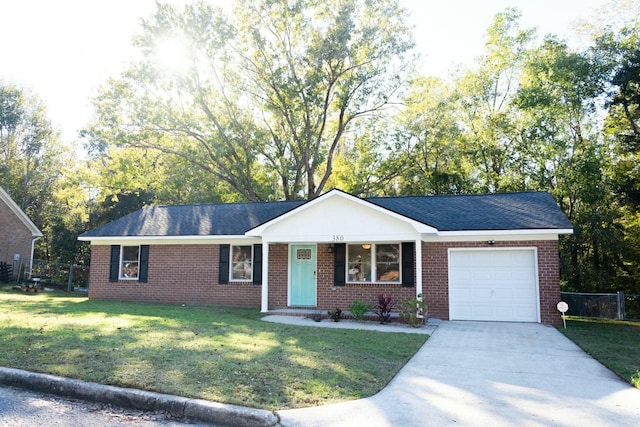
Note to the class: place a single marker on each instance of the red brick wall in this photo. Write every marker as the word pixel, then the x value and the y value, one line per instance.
pixel 436 277
pixel 180 274
pixel 328 296
pixel 549 280
pixel 278 276
pixel 188 274
pixel 15 237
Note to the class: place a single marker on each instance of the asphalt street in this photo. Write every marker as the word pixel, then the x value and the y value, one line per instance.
pixel 20 408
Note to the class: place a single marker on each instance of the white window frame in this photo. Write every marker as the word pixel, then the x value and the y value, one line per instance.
pixel 122 262
pixel 232 263
pixel 373 263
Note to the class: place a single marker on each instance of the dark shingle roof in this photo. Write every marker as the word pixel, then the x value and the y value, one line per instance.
pixel 504 211
pixel 508 211
pixel 193 220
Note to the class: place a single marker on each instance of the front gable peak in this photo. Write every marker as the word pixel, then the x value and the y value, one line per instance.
pixel 338 216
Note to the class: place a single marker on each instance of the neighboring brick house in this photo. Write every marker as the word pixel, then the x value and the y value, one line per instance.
pixel 473 257
pixel 17 234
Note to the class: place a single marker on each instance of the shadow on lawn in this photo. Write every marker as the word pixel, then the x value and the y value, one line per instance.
pixel 218 353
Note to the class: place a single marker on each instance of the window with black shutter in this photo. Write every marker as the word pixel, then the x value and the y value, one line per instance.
pixel 257 264
pixel 408 250
pixel 340 267
pixel 114 265
pixel 223 271
pixel 144 263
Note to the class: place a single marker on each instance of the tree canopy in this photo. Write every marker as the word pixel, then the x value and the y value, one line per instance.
pixel 261 98
pixel 285 99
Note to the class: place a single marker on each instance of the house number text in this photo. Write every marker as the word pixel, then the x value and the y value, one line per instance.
pixel 337 238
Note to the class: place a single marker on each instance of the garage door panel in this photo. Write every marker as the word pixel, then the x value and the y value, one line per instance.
pixel 510 313
pixel 520 259
pixel 493 285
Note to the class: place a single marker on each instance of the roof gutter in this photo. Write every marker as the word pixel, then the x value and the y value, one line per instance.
pixel 528 231
pixel 159 240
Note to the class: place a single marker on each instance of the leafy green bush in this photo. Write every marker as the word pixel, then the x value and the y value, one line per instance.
pixel 413 311
pixel 359 309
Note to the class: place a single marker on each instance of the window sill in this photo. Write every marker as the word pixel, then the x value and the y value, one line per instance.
pixel 374 283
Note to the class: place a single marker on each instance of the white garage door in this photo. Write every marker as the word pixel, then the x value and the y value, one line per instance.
pixel 495 285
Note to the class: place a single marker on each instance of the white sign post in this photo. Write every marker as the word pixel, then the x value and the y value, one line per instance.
pixel 562 308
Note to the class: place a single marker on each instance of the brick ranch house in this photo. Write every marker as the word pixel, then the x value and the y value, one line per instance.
pixel 487 257
pixel 18 234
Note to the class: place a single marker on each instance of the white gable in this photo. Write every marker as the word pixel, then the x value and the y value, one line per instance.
pixel 340 217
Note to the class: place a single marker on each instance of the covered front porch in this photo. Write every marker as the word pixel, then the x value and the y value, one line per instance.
pixel 337 249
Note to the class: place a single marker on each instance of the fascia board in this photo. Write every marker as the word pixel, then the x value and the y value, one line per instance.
pixel 503 235
pixel 170 240
pixel 523 232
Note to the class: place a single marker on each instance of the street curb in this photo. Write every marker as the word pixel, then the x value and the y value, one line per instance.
pixel 182 407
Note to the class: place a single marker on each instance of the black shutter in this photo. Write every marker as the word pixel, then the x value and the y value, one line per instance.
pixel 340 261
pixel 257 264
pixel 407 264
pixel 114 266
pixel 223 277
pixel 144 264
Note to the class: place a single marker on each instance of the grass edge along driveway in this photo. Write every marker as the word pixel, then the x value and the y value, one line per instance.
pixel 220 354
pixel 613 343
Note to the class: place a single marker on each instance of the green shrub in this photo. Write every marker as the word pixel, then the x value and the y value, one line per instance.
pixel 359 309
pixel 413 311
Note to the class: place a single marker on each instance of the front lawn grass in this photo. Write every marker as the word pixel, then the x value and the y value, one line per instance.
pixel 217 353
pixel 615 344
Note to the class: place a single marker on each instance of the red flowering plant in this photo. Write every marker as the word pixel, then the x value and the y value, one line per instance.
pixel 386 304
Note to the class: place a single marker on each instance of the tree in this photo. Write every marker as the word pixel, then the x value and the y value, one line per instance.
pixel 370 160
pixel 566 155
pixel 486 101
pixel 31 158
pixel 266 93
pixel 622 130
pixel 29 151
pixel 432 150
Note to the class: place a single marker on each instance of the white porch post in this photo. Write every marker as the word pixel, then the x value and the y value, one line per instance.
pixel 418 266
pixel 264 303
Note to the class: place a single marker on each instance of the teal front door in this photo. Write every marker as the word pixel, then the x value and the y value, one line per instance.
pixel 302 286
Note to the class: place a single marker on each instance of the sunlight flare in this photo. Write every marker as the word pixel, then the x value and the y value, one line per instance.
pixel 172 54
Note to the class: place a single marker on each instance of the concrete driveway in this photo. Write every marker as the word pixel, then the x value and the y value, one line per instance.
pixel 490 374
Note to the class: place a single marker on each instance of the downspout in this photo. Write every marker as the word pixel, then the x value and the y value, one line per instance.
pixel 419 267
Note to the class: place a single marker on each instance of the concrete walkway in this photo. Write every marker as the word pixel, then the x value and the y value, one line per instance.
pixel 366 325
pixel 497 374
